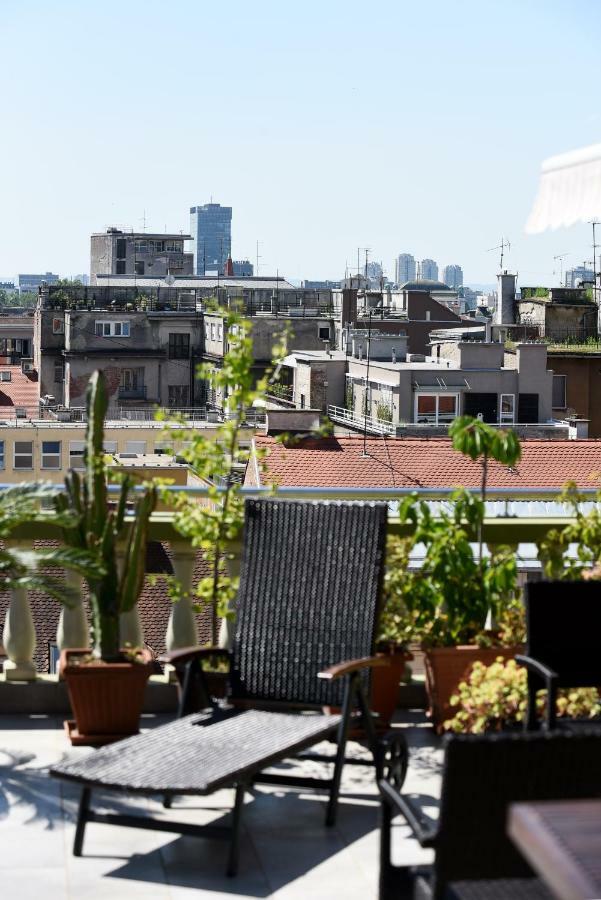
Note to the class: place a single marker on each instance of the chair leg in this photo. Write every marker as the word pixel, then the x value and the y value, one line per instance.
pixel 232 864
pixel 347 708
pixel 531 721
pixel 395 882
pixel 82 818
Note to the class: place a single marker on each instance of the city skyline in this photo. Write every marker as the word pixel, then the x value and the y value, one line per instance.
pixel 280 152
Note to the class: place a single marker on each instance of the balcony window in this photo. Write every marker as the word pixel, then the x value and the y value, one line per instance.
pixel 5 375
pixel 51 454
pixel 507 416
pixel 135 446
pixel 179 395
pixel 132 384
pixel 59 372
pixel 23 455
pixel 112 329
pixel 435 409
pixel 179 346
pixel 1 454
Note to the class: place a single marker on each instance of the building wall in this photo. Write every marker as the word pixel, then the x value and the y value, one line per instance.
pixel 583 386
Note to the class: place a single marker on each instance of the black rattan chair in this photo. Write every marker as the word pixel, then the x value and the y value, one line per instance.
pixel 308 604
pixel 558 655
pixel 482 775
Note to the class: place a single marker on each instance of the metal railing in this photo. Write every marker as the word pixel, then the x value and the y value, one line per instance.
pixel 369 423
pixel 132 393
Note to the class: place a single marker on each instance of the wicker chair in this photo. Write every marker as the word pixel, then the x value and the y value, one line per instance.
pixel 482 775
pixel 306 618
pixel 554 658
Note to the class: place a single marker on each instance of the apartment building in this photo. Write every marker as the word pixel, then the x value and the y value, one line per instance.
pixel 146 348
pixel 141 254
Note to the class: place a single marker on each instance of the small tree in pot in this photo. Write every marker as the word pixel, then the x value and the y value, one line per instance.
pixel 95 680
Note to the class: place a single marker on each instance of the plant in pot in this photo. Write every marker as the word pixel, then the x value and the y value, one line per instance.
pixel 495 698
pixel 106 684
pixel 448 602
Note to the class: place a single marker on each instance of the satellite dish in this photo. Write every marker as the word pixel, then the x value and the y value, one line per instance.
pixel 169 279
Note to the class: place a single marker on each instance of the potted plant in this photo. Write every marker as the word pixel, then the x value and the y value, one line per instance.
pixel 495 698
pixel 106 685
pixel 457 593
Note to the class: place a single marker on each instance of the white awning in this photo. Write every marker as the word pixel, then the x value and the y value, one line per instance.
pixel 569 190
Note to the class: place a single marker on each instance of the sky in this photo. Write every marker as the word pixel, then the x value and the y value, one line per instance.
pixel 327 126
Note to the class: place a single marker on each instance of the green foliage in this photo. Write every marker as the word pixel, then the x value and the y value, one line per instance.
pixel 383 411
pixel 584 532
pixel 215 526
pixel 20 568
pixel 448 600
pixel 529 292
pixel 494 697
pixel 102 531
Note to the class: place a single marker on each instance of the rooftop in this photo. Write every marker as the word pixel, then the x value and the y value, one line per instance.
pixel 21 390
pixel 145 235
pixel 199 281
pixel 426 284
pixel 423 463
pixel 285 850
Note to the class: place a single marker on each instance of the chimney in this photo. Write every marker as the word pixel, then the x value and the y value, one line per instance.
pixel 348 313
pixel 505 309
pixel 228 268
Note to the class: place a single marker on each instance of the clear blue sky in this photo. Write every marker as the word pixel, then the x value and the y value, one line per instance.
pixel 399 126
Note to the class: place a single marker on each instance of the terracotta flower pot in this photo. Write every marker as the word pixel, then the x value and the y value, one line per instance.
pixel 447 666
pixel 385 681
pixel 106 698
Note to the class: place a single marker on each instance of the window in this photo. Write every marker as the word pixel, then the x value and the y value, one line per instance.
pixel 1 454
pixel 219 332
pixel 120 267
pixel 121 248
pixel 507 416
pixel 528 409
pixel 481 405
pixel 212 331
pixel 135 446
pixel 58 326
pixel 139 267
pixel 112 329
pixel 435 409
pixel 179 346
pixel 23 454
pixel 109 446
pixel 76 449
pixel 164 448
pixel 51 454
pixel 132 379
pixel 59 372
pixel 178 395
pixel 6 376
pixel 559 391
pixel 324 332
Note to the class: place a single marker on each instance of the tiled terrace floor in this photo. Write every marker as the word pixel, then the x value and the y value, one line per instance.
pixel 286 850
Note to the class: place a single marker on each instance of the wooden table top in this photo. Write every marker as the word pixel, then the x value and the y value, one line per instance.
pixel 562 842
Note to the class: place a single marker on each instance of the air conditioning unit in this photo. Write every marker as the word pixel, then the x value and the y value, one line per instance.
pixel 27 366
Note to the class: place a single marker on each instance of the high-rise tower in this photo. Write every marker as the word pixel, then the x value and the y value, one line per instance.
pixel 211 228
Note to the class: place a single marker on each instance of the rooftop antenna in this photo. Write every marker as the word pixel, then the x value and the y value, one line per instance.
pixel 560 257
pixel 594 223
pixel 504 244
pixel 144 220
pixel 258 258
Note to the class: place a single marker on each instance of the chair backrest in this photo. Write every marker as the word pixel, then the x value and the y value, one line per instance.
pixel 563 629
pixel 483 774
pixel 309 596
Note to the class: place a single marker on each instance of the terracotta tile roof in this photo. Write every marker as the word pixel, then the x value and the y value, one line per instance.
pixel 421 462
pixel 21 390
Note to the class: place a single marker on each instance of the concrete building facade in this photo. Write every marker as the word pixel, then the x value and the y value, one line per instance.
pixel 140 254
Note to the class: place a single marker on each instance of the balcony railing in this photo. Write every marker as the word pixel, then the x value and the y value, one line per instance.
pixel 521 519
pixel 137 392
pixel 369 423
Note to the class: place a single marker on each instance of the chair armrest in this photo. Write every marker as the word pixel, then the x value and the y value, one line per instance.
pixel 185 654
pixel 425 833
pixel 537 667
pixel 353 665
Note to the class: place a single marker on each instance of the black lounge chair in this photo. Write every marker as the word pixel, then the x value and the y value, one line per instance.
pixel 308 605
pixel 482 776
pixel 558 656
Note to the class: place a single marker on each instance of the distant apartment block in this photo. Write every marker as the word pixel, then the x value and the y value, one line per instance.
pixel 242 268
pixel 7 286
pixel 453 276
pixel 575 277
pixel 428 270
pixel 404 268
pixel 375 274
pixel 211 228
pixel 31 283
pixel 116 252
pixel 320 285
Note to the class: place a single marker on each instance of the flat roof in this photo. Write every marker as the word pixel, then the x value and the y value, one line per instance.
pixel 198 281
pixel 152 235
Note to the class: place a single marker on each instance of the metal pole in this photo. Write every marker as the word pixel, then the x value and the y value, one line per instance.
pixel 365 453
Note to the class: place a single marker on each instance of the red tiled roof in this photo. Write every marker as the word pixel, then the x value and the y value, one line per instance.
pixel 421 462
pixel 21 390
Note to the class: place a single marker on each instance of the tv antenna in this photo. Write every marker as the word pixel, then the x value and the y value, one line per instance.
pixel 258 258
pixel 560 257
pixel 502 246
